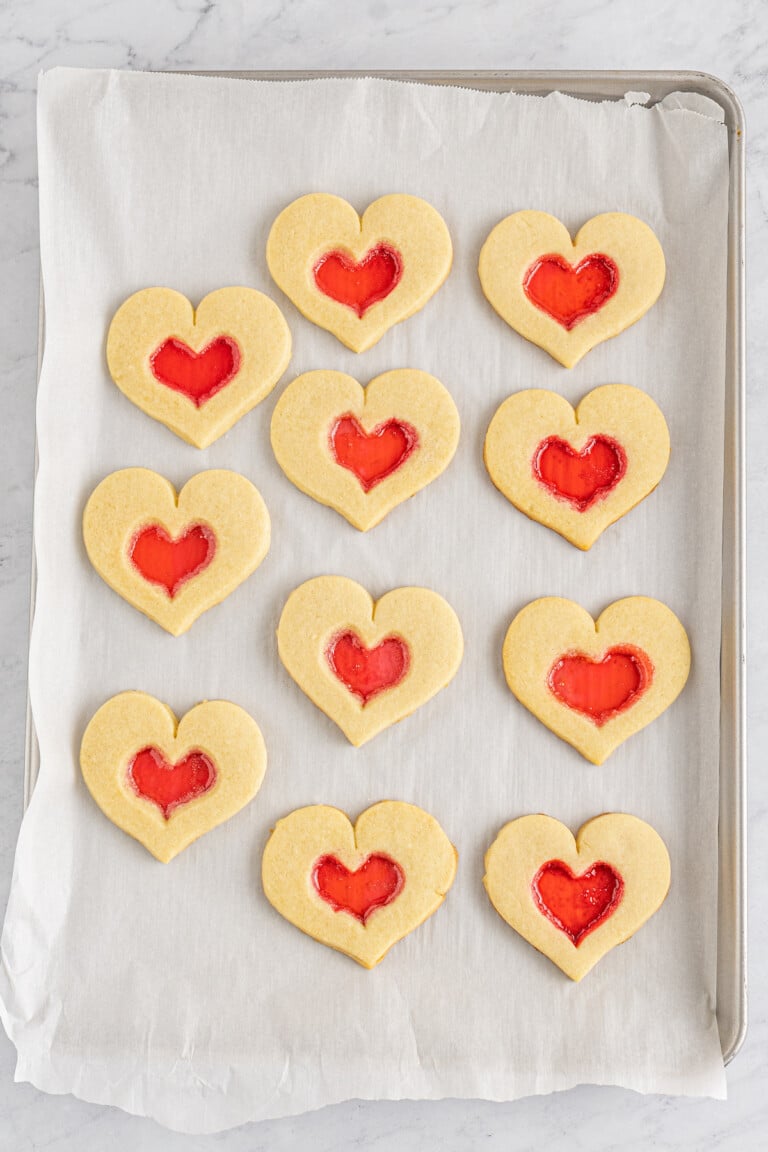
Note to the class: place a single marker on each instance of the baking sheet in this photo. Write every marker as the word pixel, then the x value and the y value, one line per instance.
pixel 669 773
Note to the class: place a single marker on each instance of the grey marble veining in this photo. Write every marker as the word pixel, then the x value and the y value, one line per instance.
pixel 726 37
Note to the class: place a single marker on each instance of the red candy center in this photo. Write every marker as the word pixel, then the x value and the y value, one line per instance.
pixel 601 689
pixel 569 294
pixel 582 477
pixel 197 375
pixel 170 785
pixel 171 563
pixel 372 456
pixel 359 285
pixel 577 904
pixel 368 671
pixel 375 883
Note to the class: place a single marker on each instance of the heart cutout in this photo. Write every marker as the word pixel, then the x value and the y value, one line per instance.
pixel 372 456
pixel 577 904
pixel 362 451
pixel 166 782
pixel 576 898
pixel 174 557
pixel 357 276
pixel 577 471
pixel 171 562
pixel 197 370
pixel 368 671
pixel 595 683
pixel 197 375
pixel 359 284
pixel 604 688
pixel 571 292
pixel 360 888
pixel 170 785
pixel 360 891
pixel 569 296
pixel 368 664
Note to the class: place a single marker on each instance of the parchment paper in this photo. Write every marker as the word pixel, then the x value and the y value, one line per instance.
pixel 176 991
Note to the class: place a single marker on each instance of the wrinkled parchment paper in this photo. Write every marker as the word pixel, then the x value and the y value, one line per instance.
pixel 176 991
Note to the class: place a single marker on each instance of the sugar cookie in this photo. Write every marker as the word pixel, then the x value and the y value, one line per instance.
pixel 170 556
pixel 574 899
pixel 577 472
pixel 167 782
pixel 356 276
pixel 198 370
pixel 358 889
pixel 360 450
pixel 569 296
pixel 368 664
pixel 595 683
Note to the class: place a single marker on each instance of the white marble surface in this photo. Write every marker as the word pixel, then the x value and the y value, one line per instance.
pixel 726 37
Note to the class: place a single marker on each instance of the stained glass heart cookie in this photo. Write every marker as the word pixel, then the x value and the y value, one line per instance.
pixel 567 296
pixel 357 276
pixel 166 782
pixel 358 888
pixel 576 898
pixel 362 450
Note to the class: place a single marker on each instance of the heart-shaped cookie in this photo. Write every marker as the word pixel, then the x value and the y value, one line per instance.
pixel 198 370
pixel 569 296
pixel 364 450
pixel 359 276
pixel 358 889
pixel 595 683
pixel 365 663
pixel 577 472
pixel 166 782
pixel 170 556
pixel 576 898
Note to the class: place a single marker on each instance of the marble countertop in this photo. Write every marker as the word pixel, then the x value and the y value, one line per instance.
pixel 724 37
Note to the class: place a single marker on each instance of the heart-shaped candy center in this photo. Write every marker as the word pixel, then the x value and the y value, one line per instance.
pixel 361 284
pixel 372 456
pixel 169 785
pixel 582 477
pixel 378 881
pixel 197 375
pixel 577 904
pixel 368 671
pixel 569 294
pixel 601 689
pixel 168 562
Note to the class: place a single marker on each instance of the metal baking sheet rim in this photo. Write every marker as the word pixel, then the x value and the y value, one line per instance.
pixel 732 887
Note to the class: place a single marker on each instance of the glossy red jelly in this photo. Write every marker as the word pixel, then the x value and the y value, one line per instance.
pixel 368 671
pixel 359 285
pixel 170 785
pixel 372 456
pixel 570 293
pixel 577 904
pixel 582 478
pixel 377 882
pixel 601 689
pixel 197 375
pixel 163 560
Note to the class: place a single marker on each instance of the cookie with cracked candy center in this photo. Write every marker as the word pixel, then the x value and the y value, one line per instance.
pixel 365 663
pixel 595 683
pixel 354 275
pixel 174 556
pixel 362 451
pixel 576 898
pixel 358 888
pixel 198 370
pixel 164 781
pixel 578 471
pixel 567 296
